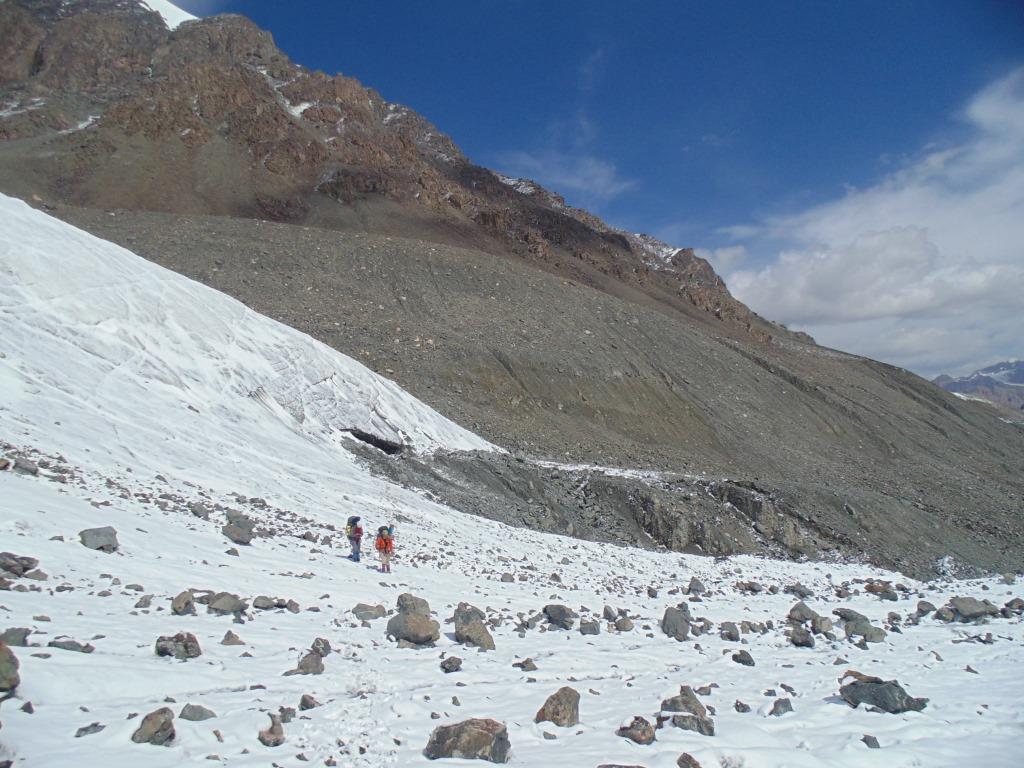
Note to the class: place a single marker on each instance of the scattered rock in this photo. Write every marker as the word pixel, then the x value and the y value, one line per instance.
pixel 744 658
pixel 15 636
pixel 89 730
pixel 871 741
pixel 561 708
pixel 475 739
pixel 67 644
pixel 801 637
pixel 527 665
pixel 230 638
pixel 102 539
pixel 310 664
pixel 969 609
pixel 623 624
pixel 686 760
pixel 638 730
pixel 560 616
pixel 225 603
pixel 17 565
pixel 181 646
pixel 451 664
pixel 702 725
pixel 470 628
pixel 195 712
pixel 886 695
pixel 273 736
pixel 590 627
pixel 740 707
pixel 308 702
pixel 410 604
pixel 239 528
pixel 156 728
pixel 365 612
pixel 676 622
pixel 781 707
pixel 9 678
pixel 184 604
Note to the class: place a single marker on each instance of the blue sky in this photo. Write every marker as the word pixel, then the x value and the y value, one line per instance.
pixel 718 125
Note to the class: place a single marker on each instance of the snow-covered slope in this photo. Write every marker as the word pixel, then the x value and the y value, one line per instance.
pixel 128 386
pixel 172 14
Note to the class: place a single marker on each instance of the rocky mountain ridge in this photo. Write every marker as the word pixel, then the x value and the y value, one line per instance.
pixel 106 107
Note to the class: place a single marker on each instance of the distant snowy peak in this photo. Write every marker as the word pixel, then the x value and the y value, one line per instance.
pixel 172 15
pixel 1002 383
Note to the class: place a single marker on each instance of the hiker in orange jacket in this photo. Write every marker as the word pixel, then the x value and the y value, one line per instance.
pixel 385 545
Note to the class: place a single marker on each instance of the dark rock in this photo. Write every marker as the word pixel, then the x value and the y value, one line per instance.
pixel 308 702
pixel 801 637
pixel 686 760
pixel 470 628
pixel 88 730
pixel 15 636
pixel 475 739
pixel 702 725
pixel 416 629
pixel 181 646
pixel 639 730
pixel 156 728
pixel 102 539
pixel 68 644
pixel 800 613
pixel 527 665
pixel 609 613
pixel 676 623
pixel 781 707
pixel 225 603
pixel 590 628
pixel 451 664
pixel 9 678
pixel 195 712
pixel 321 647
pixel 561 708
pixel 729 631
pixel 740 707
pixel 887 695
pixel 411 605
pixel 744 658
pixel 871 741
pixel 696 587
pixel 970 609
pixel 560 616
pixel 623 624
pixel 17 565
pixel 686 702
pixel 239 528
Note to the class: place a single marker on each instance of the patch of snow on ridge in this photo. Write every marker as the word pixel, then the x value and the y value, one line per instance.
pixel 80 310
pixel 172 15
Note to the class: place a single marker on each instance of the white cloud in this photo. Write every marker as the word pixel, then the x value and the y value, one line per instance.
pixel 924 269
pixel 723 259
pixel 593 180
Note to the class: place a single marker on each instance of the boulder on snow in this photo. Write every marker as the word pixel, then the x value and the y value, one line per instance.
pixel 230 638
pixel 312 663
pixel 239 528
pixel 308 702
pixel 273 735
pixel 969 609
pixel 102 539
pixel 561 708
pixel 196 713
pixel 156 728
pixel 15 636
pixel 676 622
pixel 181 646
pixel 476 739
pixel 560 616
pixel 886 695
pixel 365 612
pixel 590 627
pixel 412 605
pixel 183 604
pixel 17 565
pixel 451 664
pixel 413 629
pixel 638 730
pixel 225 603
pixel 470 628
pixel 9 678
